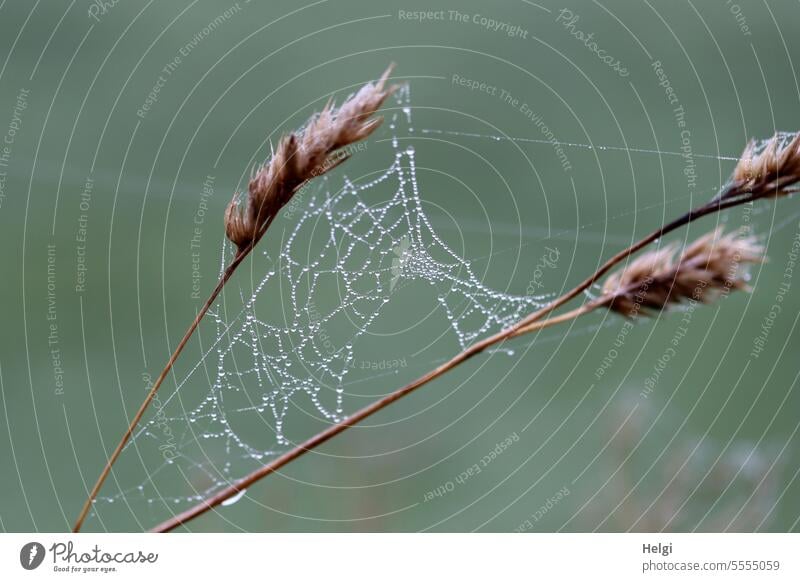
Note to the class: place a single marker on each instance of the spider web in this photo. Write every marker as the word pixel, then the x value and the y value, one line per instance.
pixel 346 254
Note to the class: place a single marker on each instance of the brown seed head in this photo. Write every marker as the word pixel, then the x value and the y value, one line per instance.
pixel 770 171
pixel 304 155
pixel 235 225
pixel 709 267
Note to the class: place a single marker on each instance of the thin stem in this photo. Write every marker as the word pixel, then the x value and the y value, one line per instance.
pixel 241 254
pixel 691 216
pixel 150 395
pixel 335 429
pixel 568 316
pixel 523 326
pixel 356 418
pixel 322 139
pixel 526 324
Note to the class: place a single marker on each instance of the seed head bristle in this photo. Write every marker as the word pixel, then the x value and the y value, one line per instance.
pixel 304 155
pixel 711 266
pixel 770 172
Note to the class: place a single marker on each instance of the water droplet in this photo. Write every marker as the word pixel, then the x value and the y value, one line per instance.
pixel 235 498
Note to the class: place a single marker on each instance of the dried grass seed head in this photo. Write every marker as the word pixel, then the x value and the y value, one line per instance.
pixel 769 170
pixel 711 266
pixel 304 155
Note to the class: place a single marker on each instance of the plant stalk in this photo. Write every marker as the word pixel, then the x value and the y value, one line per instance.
pixel 335 429
pixel 525 325
pixel 226 275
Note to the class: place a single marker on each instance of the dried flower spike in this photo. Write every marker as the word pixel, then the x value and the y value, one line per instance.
pixel 301 156
pixel 769 172
pixel 709 267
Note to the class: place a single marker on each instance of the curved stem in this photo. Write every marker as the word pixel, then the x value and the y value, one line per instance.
pixel 226 275
pixel 713 206
pixel 335 429
pixel 149 398
pixel 527 324
pixel 569 315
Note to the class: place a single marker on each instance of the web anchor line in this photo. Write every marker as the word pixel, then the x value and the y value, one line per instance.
pixel 571 144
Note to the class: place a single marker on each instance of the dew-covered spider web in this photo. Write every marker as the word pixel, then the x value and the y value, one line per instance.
pixel 348 248
pixel 279 349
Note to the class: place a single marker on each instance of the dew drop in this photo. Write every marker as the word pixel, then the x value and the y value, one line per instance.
pixel 235 498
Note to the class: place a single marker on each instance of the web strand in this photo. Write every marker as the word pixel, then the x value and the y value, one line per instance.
pixel 602 148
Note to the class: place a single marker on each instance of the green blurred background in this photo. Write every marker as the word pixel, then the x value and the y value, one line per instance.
pixel 713 447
